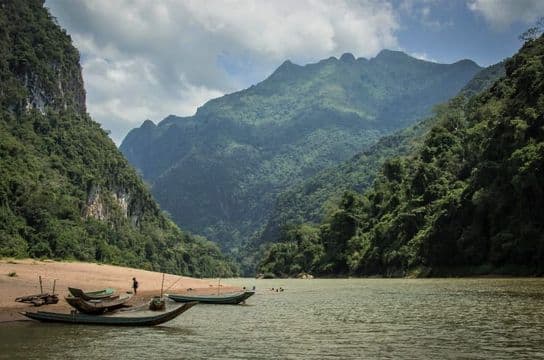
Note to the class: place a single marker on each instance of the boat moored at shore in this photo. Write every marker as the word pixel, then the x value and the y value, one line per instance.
pixel 133 317
pixel 230 299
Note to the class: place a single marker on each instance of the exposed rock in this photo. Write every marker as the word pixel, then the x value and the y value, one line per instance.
pixel 122 198
pixel 304 276
pixel 95 206
pixel 99 209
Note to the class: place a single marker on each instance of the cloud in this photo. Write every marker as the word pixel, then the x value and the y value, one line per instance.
pixel 423 56
pixel 425 12
pixel 501 14
pixel 147 59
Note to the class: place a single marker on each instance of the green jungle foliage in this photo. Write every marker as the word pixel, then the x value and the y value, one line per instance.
pixel 218 173
pixel 310 200
pixel 66 192
pixel 467 201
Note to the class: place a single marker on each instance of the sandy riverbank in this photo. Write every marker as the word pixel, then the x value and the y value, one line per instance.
pixel 87 276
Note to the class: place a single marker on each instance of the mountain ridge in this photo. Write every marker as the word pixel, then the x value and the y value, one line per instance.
pixel 306 201
pixel 218 172
pixel 465 201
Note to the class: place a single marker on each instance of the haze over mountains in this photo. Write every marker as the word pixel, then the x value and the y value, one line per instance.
pixel 219 172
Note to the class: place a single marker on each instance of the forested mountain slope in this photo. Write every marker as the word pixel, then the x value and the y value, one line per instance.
pixel 65 190
pixel 307 201
pixel 218 172
pixel 468 201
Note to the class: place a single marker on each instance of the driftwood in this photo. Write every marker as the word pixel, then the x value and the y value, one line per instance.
pixel 42 298
pixel 39 299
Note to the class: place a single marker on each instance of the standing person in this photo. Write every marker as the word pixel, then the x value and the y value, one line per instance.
pixel 135 285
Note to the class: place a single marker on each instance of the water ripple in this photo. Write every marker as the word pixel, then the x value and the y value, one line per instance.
pixel 321 319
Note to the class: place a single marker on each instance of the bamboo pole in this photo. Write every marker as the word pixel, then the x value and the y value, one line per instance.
pixel 54 285
pixel 162 284
pixel 41 286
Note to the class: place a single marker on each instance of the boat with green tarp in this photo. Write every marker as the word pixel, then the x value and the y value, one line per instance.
pixel 229 298
pixel 92 295
pixel 132 317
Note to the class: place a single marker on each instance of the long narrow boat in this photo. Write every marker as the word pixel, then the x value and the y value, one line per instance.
pixel 92 295
pixel 98 306
pixel 231 299
pixel 121 318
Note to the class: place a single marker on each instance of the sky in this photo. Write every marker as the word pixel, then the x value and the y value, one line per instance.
pixel 148 59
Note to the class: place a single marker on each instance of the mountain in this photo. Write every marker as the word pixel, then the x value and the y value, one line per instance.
pixel 218 172
pixel 466 201
pixel 65 190
pixel 308 201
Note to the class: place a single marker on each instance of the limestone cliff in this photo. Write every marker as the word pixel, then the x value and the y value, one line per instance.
pixel 65 189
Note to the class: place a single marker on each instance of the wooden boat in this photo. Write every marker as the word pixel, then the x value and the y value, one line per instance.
pixel 231 298
pixel 98 306
pixel 136 317
pixel 92 295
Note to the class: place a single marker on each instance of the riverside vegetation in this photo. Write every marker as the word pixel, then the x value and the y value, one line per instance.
pixel 65 190
pixel 466 199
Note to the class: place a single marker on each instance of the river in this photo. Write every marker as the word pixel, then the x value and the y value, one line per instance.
pixel 319 319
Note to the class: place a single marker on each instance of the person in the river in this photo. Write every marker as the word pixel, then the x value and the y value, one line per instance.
pixel 135 285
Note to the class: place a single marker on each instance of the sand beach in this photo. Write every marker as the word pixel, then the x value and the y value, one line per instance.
pixel 20 278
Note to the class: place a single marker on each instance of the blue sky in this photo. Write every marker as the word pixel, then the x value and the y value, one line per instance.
pixel 450 31
pixel 148 59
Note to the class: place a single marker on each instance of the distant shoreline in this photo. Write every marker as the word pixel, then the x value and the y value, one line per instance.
pixel 453 276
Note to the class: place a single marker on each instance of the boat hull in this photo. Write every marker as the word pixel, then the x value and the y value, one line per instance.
pixel 125 319
pixel 98 306
pixel 227 299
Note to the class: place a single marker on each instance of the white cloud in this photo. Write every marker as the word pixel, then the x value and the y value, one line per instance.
pixel 285 29
pixel 147 59
pixel 500 14
pixel 425 12
pixel 423 56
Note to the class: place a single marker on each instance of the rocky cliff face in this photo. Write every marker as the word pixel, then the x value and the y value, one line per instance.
pixel 68 92
pixel 97 204
pixel 55 84
pixel 65 189
pixel 34 76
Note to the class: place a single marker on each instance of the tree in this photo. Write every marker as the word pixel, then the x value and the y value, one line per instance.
pixel 533 32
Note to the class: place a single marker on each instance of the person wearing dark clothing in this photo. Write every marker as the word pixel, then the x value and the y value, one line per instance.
pixel 135 285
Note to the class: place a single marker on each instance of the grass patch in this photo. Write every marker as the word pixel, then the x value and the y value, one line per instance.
pixel 12 274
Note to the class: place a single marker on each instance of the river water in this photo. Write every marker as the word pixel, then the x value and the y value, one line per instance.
pixel 320 319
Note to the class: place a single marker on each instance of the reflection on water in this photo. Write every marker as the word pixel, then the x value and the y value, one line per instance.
pixel 340 318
